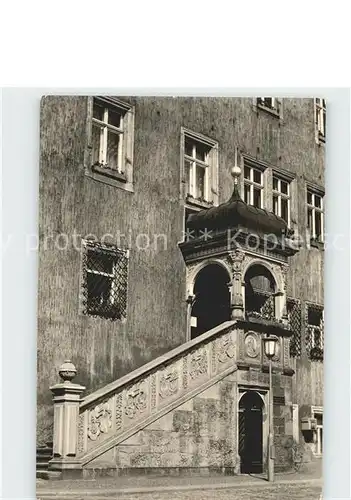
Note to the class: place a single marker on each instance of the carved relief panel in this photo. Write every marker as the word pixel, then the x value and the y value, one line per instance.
pixel 136 401
pixel 252 346
pixel 99 420
pixel 169 383
pixel 223 352
pixel 198 363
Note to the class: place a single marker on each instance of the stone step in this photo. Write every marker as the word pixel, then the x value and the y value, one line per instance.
pixel 43 456
pixel 48 474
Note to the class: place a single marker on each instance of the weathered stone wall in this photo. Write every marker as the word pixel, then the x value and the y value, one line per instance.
pixel 71 203
pixel 202 434
pixel 282 421
pixel 198 434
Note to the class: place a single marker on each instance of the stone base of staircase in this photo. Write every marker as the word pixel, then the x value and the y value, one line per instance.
pixel 49 474
pixel 160 471
pixel 44 455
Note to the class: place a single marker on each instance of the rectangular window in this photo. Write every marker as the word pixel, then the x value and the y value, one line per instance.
pixel 271 104
pixel 253 186
pixel 112 131
pixel 318 445
pixel 320 119
pixel 200 168
pixel 315 331
pixel 104 282
pixel 315 215
pixel 281 198
pixel 293 308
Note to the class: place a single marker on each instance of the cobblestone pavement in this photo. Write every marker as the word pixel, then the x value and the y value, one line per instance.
pixel 294 491
pixel 278 492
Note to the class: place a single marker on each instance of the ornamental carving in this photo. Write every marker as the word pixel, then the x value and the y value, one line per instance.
pixel 169 383
pixel 100 421
pixel 153 391
pixel 286 352
pixel 213 356
pixel 81 433
pixel 284 272
pixel 252 345
pixel 185 372
pixel 118 412
pixel 136 401
pixel 241 346
pixel 236 260
pixel 198 363
pixel 191 275
pixel 225 348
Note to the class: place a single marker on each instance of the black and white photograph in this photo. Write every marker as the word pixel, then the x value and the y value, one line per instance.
pixel 180 337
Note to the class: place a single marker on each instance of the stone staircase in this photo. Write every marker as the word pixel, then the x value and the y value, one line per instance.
pixel 43 456
pixel 176 413
pixel 123 409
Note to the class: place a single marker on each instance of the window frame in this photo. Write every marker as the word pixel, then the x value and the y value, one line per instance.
pixel 318 410
pixel 320 119
pixel 279 194
pixel 251 183
pixel 91 244
pixel 274 109
pixel 211 170
pixel 122 176
pixel 311 206
pixel 296 338
pixel 310 330
pixel 106 127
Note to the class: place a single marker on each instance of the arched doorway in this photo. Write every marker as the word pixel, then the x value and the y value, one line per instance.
pixel 251 433
pixel 260 288
pixel 212 299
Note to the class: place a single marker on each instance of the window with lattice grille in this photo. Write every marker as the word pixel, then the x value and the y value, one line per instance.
pixel 314 331
pixel 294 318
pixel 259 293
pixel 105 273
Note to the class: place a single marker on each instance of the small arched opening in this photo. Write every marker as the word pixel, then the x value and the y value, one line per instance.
pixel 251 433
pixel 211 305
pixel 260 289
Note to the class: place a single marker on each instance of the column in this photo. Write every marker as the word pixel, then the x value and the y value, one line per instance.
pixel 66 397
pixel 236 259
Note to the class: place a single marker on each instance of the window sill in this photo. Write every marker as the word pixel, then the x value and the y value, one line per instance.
pixel 198 203
pixel 317 244
pixel 271 111
pixel 110 316
pixel 109 172
pixel 109 177
pixel 316 354
pixel 320 139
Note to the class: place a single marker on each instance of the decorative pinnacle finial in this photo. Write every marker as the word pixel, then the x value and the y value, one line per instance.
pixel 236 172
pixel 67 371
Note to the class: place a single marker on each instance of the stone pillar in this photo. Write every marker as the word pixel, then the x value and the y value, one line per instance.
pixel 66 397
pixel 236 259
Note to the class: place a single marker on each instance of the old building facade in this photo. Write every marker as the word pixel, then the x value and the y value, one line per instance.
pixel 145 287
